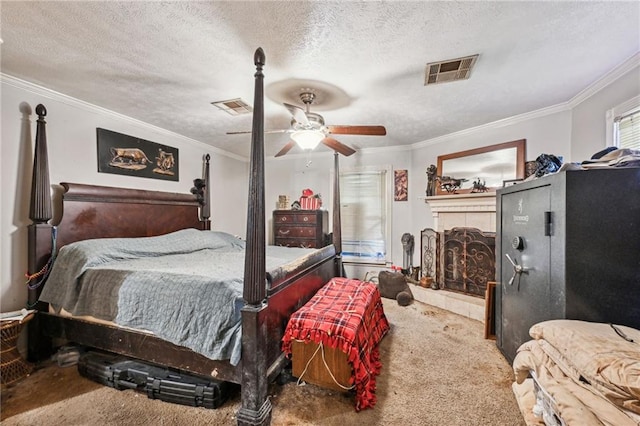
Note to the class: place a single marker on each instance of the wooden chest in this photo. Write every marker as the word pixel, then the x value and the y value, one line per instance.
pixel 300 228
pixel 322 366
pixel 333 339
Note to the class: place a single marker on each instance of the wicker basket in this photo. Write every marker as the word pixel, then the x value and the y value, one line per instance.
pixel 12 366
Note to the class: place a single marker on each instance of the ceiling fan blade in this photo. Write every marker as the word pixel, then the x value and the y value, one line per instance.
pixel 266 132
pixel 338 146
pixel 297 113
pixel 358 130
pixel 285 149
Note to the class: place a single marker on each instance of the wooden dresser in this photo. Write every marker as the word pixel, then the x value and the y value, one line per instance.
pixel 300 228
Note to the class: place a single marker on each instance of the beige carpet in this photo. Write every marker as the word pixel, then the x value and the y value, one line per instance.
pixel 437 370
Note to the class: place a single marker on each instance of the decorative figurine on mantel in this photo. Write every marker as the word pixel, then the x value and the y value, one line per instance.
pixel 450 184
pixel 432 171
pixel 479 186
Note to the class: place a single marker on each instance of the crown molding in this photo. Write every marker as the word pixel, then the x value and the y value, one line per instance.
pixel 610 77
pixel 382 149
pixel 605 80
pixel 592 89
pixel 542 112
pixel 77 103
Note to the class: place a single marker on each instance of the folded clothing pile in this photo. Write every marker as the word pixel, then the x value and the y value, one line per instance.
pixel 579 373
pixel 611 157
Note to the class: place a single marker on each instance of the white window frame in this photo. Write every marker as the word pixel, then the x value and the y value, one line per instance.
pixel 388 207
pixel 613 115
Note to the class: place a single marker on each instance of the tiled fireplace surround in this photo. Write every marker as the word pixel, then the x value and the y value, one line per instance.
pixel 459 210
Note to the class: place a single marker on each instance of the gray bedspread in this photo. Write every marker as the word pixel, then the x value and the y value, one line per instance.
pixel 185 287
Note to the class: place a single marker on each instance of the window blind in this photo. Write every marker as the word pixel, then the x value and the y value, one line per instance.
pixel 628 130
pixel 363 212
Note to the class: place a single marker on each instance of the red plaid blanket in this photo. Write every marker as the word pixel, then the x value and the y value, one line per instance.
pixel 345 314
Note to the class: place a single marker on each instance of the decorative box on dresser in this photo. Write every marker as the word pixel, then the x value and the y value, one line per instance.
pixel 300 228
pixel 575 238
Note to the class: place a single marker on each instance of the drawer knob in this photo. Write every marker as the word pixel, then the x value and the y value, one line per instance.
pixel 306 218
pixel 283 219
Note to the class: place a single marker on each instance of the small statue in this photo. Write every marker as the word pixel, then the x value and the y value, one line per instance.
pixel 198 189
pixel 450 184
pixel 407 246
pixel 431 180
pixel 479 186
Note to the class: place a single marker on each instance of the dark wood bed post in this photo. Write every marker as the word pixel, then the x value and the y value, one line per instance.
pixel 40 209
pixel 39 232
pixel 337 225
pixel 206 206
pixel 201 190
pixel 256 407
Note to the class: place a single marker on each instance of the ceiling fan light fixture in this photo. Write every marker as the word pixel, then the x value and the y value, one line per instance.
pixel 307 139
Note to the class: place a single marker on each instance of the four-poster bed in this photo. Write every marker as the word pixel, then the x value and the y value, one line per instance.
pixel 90 212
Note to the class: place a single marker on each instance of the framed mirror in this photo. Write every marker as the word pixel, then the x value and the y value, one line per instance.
pixel 489 166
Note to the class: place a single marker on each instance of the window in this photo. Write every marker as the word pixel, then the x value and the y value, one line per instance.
pixel 623 125
pixel 627 130
pixel 365 215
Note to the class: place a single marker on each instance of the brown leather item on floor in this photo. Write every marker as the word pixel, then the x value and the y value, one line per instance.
pixel 393 285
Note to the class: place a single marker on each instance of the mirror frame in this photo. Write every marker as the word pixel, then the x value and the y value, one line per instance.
pixel 520 146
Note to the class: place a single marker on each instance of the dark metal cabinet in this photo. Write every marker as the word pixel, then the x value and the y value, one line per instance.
pixel 575 237
pixel 300 228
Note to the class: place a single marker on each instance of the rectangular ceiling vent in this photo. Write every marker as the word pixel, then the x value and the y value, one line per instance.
pixel 234 106
pixel 449 70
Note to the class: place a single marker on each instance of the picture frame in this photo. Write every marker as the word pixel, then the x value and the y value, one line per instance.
pixel 490 311
pixel 127 155
pixel 401 185
pixel 489 166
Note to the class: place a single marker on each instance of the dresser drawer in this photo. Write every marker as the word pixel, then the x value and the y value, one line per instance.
pixel 297 218
pixel 295 231
pixel 300 228
pixel 297 243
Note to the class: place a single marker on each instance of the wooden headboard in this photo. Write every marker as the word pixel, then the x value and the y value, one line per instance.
pixel 90 211
pixel 103 212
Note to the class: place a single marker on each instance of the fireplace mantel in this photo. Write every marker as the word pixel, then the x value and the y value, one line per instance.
pixel 469 210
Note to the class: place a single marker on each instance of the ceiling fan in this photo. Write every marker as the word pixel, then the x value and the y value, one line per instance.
pixel 308 129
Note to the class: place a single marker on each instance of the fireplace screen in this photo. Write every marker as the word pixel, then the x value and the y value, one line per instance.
pixel 467 260
pixel 429 254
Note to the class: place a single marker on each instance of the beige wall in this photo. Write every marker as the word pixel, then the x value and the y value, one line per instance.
pixel 574 130
pixel 588 133
pixel 71 140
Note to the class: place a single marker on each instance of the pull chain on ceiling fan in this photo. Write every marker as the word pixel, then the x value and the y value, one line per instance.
pixel 308 129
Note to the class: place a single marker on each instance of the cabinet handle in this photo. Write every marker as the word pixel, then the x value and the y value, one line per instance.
pixel 548 224
pixel 284 231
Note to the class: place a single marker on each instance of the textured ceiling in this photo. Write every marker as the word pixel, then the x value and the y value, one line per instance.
pixel 164 62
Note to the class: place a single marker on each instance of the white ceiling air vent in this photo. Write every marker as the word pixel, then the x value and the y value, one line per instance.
pixel 233 106
pixel 449 70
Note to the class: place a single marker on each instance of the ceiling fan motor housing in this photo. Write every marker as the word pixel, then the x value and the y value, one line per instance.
pixel 307 98
pixel 316 122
